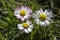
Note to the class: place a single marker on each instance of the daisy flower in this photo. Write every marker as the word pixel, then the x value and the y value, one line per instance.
pixel 43 17
pixel 23 13
pixel 25 27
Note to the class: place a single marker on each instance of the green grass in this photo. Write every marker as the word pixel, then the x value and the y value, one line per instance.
pixel 8 22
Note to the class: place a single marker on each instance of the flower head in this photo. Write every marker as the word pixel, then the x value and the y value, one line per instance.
pixel 25 26
pixel 23 13
pixel 43 17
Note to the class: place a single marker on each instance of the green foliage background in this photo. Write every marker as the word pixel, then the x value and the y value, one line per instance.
pixel 8 22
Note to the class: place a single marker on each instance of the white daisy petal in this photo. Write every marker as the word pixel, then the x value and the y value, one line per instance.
pixel 42 23
pixel 29 22
pixel 25 16
pixel 16 14
pixel 26 31
pixel 45 11
pixel 20 27
pixel 48 18
pixel 47 22
pixel 29 29
pixel 38 12
pixel 49 14
pixel 31 26
pixel 41 11
pixel 22 19
pixel 37 20
pixel 35 15
pixel 17 11
pixel 22 7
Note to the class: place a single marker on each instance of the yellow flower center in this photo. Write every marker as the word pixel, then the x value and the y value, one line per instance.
pixel 42 16
pixel 25 25
pixel 22 12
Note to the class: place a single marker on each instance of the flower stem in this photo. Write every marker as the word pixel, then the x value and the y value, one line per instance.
pixel 36 29
pixel 44 32
pixel 31 35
